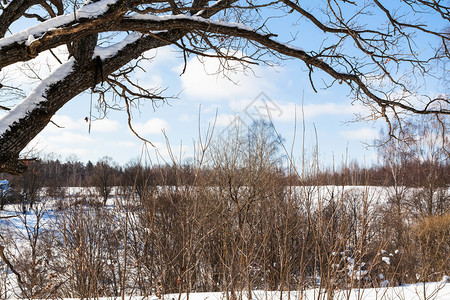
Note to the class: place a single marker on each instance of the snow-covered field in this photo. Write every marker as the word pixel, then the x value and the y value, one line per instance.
pixel 15 223
pixel 429 291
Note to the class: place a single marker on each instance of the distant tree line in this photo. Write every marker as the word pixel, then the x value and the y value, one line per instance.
pixel 422 163
pixel 55 174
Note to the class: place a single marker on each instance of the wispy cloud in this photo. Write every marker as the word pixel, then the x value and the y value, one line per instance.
pixel 362 134
pixel 289 111
pixel 67 137
pixel 66 122
pixel 206 80
pixel 152 126
pixel 105 125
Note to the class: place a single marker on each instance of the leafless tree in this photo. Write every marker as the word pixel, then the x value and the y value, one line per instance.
pixel 140 178
pixel 103 178
pixel 375 48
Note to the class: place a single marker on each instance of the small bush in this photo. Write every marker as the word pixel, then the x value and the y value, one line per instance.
pixel 432 235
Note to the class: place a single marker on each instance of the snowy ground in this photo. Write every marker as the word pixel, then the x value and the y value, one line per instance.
pixel 14 219
pixel 430 291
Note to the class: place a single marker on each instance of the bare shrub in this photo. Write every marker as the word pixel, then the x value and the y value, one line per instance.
pixel 432 236
pixel 29 253
pixel 90 250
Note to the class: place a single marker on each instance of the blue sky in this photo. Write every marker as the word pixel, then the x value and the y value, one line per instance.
pixel 200 92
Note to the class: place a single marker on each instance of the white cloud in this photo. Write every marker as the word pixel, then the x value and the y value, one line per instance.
pixel 203 80
pixel 188 117
pixel 64 152
pixel 64 144
pixel 69 124
pixel 263 106
pixel 224 119
pixel 126 144
pixel 152 126
pixel 362 134
pixel 330 108
pixel 157 56
pixel 66 122
pixel 67 137
pixel 104 125
pixel 151 82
